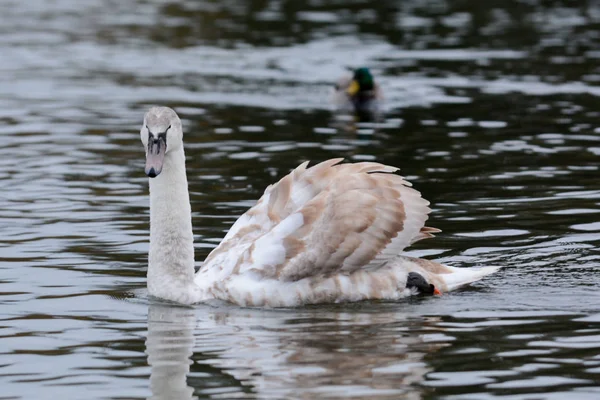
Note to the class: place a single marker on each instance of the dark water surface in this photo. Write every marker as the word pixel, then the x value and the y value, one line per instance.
pixel 493 114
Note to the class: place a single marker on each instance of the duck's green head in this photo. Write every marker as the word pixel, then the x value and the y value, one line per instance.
pixel 362 80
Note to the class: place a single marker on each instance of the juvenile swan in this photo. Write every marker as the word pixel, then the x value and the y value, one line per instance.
pixel 329 233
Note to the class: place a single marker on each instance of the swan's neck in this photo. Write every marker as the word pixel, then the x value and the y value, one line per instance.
pixel 171 257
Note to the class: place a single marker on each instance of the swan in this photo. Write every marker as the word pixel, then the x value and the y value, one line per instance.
pixel 329 233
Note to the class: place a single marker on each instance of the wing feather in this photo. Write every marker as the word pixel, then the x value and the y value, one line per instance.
pixel 325 219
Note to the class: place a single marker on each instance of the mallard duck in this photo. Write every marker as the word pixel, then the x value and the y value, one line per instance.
pixel 329 233
pixel 359 92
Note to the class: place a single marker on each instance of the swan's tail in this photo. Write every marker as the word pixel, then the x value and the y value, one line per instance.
pixel 463 276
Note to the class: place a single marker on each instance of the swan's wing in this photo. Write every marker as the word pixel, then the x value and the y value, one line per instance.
pixel 325 219
pixel 227 258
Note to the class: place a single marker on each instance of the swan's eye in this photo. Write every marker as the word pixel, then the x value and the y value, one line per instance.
pixel 160 135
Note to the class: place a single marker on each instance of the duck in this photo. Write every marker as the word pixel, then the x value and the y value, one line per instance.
pixel 330 233
pixel 359 92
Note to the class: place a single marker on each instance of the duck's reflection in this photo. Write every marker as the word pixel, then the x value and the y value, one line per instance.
pixel 278 354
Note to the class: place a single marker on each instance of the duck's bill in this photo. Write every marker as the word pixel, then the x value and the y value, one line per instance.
pixel 437 292
pixel 353 88
pixel 155 157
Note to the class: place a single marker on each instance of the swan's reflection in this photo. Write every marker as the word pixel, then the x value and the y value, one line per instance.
pixel 286 353
pixel 169 346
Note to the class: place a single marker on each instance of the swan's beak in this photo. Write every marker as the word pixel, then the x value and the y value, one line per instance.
pixel 155 156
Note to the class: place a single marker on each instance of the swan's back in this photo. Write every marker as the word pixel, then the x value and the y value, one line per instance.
pixel 319 222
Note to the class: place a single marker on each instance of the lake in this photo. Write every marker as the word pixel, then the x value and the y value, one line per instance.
pixel 492 112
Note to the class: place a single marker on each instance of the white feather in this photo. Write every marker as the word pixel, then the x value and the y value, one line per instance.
pixel 463 276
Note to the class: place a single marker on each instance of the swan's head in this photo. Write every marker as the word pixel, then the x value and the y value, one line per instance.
pixel 161 134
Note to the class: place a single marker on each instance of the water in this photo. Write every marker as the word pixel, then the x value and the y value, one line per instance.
pixel 492 114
